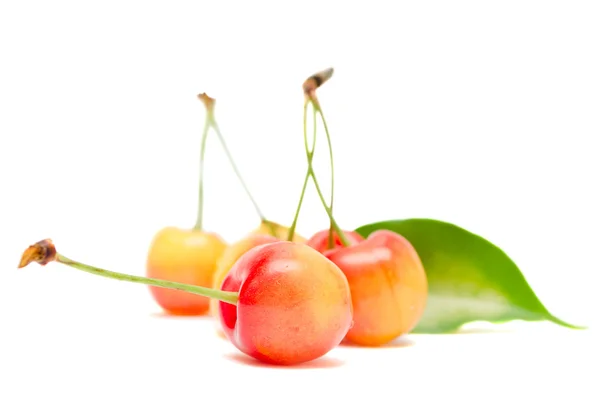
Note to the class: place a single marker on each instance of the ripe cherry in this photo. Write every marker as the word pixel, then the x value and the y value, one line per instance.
pixel 388 284
pixel 281 303
pixel 187 256
pixel 293 305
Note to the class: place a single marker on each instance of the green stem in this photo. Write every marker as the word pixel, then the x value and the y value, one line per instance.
pixel 333 223
pixel 225 296
pixel 198 225
pixel 292 229
pixel 320 111
pixel 239 175
pixel 343 238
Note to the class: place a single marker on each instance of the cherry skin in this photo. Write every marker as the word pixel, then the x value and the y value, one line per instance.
pixel 229 257
pixel 281 231
pixel 294 304
pixel 187 256
pixel 388 285
pixel 261 235
pixel 320 240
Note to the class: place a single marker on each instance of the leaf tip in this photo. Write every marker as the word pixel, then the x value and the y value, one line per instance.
pixel 562 323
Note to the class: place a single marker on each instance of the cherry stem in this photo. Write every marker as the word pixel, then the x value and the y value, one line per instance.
pixel 211 121
pixel 311 152
pixel 309 157
pixel 310 86
pixel 198 225
pixel 310 173
pixel 239 175
pixel 44 252
pixel 316 105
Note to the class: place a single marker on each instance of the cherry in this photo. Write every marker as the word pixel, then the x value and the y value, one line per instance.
pixel 281 303
pixel 183 255
pixel 191 256
pixel 386 276
pixel 294 306
pixel 388 285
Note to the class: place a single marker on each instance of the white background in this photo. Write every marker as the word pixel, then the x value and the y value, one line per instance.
pixel 479 113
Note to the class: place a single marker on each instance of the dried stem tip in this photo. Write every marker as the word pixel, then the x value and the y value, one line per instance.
pixel 311 84
pixel 41 252
pixel 208 101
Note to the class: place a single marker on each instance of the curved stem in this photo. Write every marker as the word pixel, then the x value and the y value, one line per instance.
pixel 237 172
pixel 331 228
pixel 44 252
pixel 292 229
pixel 334 225
pixel 209 103
pixel 343 238
pixel 198 225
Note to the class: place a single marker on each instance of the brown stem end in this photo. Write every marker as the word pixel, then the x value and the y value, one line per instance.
pixel 41 252
pixel 311 84
pixel 208 101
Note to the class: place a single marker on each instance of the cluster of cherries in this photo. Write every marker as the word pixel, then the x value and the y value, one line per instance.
pixel 277 296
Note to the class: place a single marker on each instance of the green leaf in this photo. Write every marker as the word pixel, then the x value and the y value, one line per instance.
pixel 470 279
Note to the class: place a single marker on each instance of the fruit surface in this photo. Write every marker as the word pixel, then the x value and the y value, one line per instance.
pixel 229 257
pixel 388 284
pixel 187 256
pixel 261 235
pixel 294 304
pixel 281 231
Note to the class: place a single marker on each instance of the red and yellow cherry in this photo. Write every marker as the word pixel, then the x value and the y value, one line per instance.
pixel 320 240
pixel 294 304
pixel 281 303
pixel 277 230
pixel 186 256
pixel 388 286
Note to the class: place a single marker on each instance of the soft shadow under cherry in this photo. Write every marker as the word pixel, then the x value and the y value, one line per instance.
pixel 320 363
pixel 400 342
